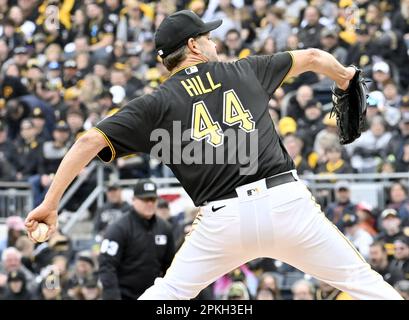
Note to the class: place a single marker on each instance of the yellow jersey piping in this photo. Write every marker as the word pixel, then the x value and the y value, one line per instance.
pixel 111 147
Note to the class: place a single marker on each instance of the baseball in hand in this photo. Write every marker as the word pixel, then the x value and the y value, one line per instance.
pixel 40 233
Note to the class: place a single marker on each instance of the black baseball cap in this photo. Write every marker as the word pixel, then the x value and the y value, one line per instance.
pixel 403 239
pixel 37 112
pixel 145 188
pixel 86 257
pixel 175 30
pixel 404 103
pixel 16 276
pixel 62 126
pixel 349 220
pixel 105 94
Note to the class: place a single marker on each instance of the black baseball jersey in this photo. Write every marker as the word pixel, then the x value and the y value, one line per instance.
pixel 209 123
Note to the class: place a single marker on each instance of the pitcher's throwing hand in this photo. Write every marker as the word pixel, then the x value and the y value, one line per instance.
pixel 45 215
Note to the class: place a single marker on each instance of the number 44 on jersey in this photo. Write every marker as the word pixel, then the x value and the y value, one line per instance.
pixel 204 127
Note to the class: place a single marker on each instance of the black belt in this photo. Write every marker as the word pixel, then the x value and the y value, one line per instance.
pixel 271 182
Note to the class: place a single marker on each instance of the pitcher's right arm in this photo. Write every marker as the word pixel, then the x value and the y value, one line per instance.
pixel 80 154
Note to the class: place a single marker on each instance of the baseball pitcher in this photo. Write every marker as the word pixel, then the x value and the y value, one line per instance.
pixel 209 123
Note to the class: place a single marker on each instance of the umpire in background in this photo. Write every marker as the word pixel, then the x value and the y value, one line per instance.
pixel 137 248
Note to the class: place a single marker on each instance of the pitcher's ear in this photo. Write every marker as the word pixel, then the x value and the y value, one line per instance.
pixel 193 45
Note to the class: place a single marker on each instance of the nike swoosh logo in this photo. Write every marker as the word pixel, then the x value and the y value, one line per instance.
pixel 215 209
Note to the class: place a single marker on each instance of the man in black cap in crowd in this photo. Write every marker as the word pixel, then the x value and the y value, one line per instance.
pixel 40 109
pixel 51 93
pixel 362 51
pixel 20 58
pixel 17 287
pixel 391 230
pixel 12 33
pixel 7 154
pixel 91 289
pixel 401 260
pixel 341 205
pixel 378 259
pixel 360 238
pixel 38 117
pixel 50 155
pixel 310 124
pixel 113 209
pixel 84 268
pixel 28 150
pixel 105 102
pixel 330 43
pixel 70 74
pixel 16 112
pixel 138 248
pixel 400 137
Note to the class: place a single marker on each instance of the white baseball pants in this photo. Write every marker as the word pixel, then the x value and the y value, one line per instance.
pixel 284 223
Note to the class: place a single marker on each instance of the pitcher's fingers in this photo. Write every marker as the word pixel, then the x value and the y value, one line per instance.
pixel 30 237
pixel 32 226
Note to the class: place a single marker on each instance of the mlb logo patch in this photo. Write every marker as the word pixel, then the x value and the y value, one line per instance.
pixel 252 189
pixel 191 70
pixel 251 192
pixel 161 239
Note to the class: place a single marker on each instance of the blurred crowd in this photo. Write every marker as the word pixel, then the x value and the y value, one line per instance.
pixel 134 242
pixel 65 65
